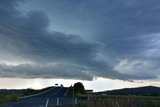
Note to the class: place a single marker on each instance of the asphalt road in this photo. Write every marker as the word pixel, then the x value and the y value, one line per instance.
pixel 60 95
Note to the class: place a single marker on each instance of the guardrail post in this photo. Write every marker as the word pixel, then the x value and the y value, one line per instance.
pixel 57 101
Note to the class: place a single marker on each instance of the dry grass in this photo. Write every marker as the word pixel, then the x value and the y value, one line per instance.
pixel 119 101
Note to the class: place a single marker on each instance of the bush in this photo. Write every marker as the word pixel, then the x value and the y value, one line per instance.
pixel 79 89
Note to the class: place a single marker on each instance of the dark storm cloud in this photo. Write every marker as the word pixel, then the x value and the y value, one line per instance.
pixel 128 22
pixel 119 25
pixel 129 30
pixel 124 39
pixel 26 35
pixel 43 71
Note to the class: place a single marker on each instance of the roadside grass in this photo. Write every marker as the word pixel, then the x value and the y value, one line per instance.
pixel 8 98
pixel 102 101
pixel 5 98
pixel 118 101
pixel 124 101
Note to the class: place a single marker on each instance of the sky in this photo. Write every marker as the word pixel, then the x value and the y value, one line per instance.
pixel 97 42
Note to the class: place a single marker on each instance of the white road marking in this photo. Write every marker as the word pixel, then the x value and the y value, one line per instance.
pixel 117 104
pixel 56 92
pixel 47 102
pixel 67 91
pixel 57 101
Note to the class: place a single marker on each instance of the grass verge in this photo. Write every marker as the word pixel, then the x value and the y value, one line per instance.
pixel 8 98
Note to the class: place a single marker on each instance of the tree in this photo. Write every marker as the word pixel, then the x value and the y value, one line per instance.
pixel 79 88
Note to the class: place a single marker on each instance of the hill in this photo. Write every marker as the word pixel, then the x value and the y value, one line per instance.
pixel 12 91
pixel 142 91
pixel 22 92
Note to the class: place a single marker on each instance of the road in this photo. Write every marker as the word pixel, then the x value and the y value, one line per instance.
pixel 60 95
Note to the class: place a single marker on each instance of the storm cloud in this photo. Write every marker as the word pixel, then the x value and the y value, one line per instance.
pixel 118 40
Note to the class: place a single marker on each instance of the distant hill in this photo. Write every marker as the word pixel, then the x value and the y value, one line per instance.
pixel 12 91
pixel 27 91
pixel 143 91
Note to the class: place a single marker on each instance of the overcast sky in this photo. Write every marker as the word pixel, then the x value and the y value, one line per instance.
pixel 80 39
